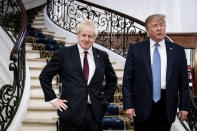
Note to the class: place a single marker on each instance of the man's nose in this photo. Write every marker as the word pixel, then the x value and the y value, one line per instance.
pixel 86 38
pixel 158 27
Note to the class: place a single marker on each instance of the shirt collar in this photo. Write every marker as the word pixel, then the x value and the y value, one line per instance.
pixel 161 43
pixel 82 50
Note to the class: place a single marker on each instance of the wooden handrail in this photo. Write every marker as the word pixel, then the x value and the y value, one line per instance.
pixel 22 33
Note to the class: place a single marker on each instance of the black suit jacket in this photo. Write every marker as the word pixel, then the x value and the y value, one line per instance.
pixel 66 62
pixel 138 83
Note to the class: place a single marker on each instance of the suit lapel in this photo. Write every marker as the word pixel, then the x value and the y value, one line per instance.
pixel 77 61
pixel 169 53
pixel 96 57
pixel 148 60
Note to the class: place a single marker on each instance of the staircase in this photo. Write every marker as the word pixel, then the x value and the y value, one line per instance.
pixel 42 116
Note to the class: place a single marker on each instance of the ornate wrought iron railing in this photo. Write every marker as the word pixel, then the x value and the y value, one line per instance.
pixel 14 21
pixel 115 30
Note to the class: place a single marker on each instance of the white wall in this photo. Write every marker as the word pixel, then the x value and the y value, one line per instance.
pixel 6 76
pixel 181 14
pixel 29 4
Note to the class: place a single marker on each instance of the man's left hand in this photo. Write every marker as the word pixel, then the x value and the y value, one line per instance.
pixel 183 115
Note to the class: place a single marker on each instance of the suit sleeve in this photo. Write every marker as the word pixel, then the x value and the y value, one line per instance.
pixel 110 79
pixel 184 84
pixel 128 80
pixel 47 74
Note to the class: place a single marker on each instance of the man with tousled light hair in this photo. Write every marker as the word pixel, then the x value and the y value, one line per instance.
pixel 82 69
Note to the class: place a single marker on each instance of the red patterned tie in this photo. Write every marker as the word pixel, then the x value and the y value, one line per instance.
pixel 85 66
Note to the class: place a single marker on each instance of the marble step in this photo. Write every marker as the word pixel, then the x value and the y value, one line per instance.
pixel 40 26
pixel 35 71
pixel 38 17
pixel 41 112
pixel 45 31
pixel 28 46
pixel 41 21
pixel 35 81
pixel 41 13
pixel 36 63
pixel 39 125
pixel 32 54
pixel 37 92
pixel 39 102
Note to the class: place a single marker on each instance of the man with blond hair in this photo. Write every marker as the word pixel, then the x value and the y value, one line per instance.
pixel 82 69
pixel 155 78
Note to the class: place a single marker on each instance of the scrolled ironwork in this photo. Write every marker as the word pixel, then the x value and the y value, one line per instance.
pixel 14 21
pixel 10 17
pixel 115 30
pixel 10 95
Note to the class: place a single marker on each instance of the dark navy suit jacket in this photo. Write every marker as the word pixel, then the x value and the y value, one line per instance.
pixel 138 83
pixel 66 62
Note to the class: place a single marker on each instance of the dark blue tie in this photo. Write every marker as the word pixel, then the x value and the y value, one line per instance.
pixel 156 72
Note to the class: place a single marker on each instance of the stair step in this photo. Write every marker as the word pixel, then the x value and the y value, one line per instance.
pixel 35 68
pixel 34 81
pixel 40 14
pixel 54 87
pixel 41 108
pixel 28 46
pixel 37 97
pixel 45 31
pixel 32 54
pixel 39 63
pixel 37 60
pixel 39 21
pixel 119 72
pixel 39 26
pixel 40 121
pixel 41 113
pixel 38 17
pixel 37 78
pixel 39 102
pixel 38 92
pixel 35 73
pixel 59 38
pixel 48 32
pixel 113 62
pixel 39 125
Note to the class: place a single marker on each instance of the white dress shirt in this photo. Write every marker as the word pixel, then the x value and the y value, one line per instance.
pixel 91 62
pixel 163 56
